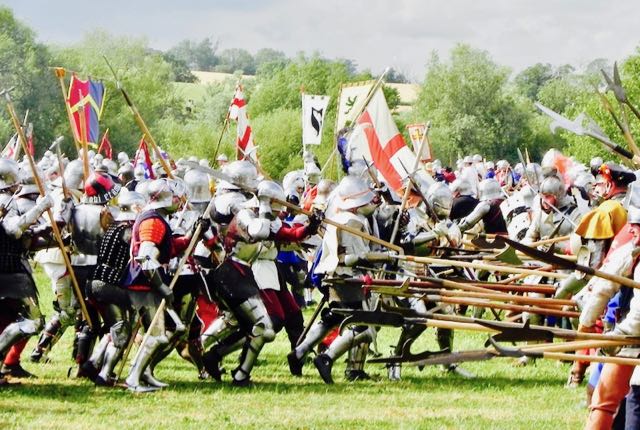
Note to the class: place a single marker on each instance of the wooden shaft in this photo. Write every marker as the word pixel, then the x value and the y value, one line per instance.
pixel 344 227
pixel 487 267
pixel 60 73
pixel 83 141
pixel 512 298
pixel 520 288
pixel 591 358
pixel 54 225
pixel 576 345
pixel 504 306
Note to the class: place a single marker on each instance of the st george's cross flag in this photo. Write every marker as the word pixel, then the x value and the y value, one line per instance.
pixel 314 111
pixel 238 112
pixel 376 138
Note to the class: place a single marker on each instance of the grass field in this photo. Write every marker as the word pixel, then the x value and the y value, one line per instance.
pixel 501 397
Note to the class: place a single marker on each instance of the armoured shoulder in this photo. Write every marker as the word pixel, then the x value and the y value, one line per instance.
pixel 229 203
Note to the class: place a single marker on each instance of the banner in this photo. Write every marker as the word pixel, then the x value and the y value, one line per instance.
pixel 244 141
pixel 86 98
pixel 105 145
pixel 351 101
pixel 377 140
pixel 314 110
pixel 416 134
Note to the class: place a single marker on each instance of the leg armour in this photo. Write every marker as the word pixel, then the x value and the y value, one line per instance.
pixel 348 339
pixel 16 331
pixel 315 335
pixel 49 337
pixel 119 337
pixel 142 361
pixel 219 329
pixel 85 339
pixel 355 362
pixel 252 311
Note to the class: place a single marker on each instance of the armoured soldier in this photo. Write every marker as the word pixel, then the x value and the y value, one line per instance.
pixel 596 230
pixel 18 295
pixel 340 252
pixel 89 221
pixel 425 229
pixel 106 288
pixel 233 283
pixel 53 264
pixel 488 210
pixel 152 247
pixel 463 200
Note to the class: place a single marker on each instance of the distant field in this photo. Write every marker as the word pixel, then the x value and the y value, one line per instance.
pixel 501 397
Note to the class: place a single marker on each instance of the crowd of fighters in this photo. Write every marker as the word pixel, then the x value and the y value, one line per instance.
pixel 255 262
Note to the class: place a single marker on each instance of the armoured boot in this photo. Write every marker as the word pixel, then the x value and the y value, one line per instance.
pixel 91 367
pixel 150 379
pixel 51 334
pixel 297 356
pixel 262 332
pixel 219 329
pixel 324 364
pixel 111 357
pixel 142 360
pixel 355 363
pixel 85 340
pixel 409 334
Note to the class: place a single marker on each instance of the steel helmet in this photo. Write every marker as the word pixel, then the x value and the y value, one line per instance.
pixel 440 199
pixel 353 192
pixel 123 158
pixel 74 174
pixel 197 183
pixel 489 189
pixel 9 173
pixel 243 174
pixel 100 188
pixel 130 204
pixel 161 194
pixel 462 186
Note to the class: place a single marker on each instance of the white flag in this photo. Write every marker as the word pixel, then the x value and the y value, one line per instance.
pixel 314 110
pixel 352 98
pixel 416 134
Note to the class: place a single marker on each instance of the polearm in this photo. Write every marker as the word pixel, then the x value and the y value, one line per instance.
pixel 56 147
pixel 138 119
pixel 60 74
pixel 54 226
pixel 16 153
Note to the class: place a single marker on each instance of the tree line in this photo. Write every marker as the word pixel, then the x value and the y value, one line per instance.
pixel 474 104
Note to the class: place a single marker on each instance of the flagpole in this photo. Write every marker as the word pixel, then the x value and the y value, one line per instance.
pixel 83 139
pixel 106 133
pixel 60 73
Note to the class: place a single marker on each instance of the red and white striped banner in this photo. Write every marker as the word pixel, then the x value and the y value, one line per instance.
pixel 238 112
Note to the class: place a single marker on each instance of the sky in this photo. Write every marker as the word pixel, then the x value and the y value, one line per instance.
pixel 374 33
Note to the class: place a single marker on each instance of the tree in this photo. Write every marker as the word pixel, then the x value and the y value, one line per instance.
pixel 235 59
pixel 25 67
pixel 530 80
pixel 196 55
pixel 470 108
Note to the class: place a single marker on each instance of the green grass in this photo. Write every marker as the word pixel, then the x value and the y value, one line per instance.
pixel 501 397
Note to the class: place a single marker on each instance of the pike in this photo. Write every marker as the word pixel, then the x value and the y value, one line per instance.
pixel 618 90
pixel 623 128
pixel 535 351
pixel 616 87
pixel 569 265
pixel 576 126
pixel 54 226
pixel 138 119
